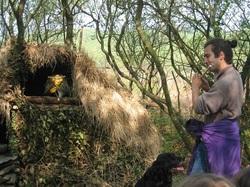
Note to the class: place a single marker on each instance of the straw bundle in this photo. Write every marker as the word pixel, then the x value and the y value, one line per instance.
pixel 4 54
pixel 118 111
pixel 44 54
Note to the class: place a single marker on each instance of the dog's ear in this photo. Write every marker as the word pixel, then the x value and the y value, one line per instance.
pixel 164 156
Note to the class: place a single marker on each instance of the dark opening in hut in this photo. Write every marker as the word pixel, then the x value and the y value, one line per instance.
pixel 36 82
pixel 49 69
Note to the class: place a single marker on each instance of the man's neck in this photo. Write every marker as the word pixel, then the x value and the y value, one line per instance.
pixel 222 70
pixel 224 66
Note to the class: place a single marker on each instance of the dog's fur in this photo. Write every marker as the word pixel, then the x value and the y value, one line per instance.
pixel 159 174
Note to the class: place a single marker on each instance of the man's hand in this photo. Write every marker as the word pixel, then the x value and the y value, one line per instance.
pixel 205 85
pixel 199 82
pixel 196 81
pixel 196 84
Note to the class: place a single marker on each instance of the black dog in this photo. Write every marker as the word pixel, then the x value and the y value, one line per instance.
pixel 159 174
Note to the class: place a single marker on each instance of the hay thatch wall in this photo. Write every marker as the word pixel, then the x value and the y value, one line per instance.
pixel 116 113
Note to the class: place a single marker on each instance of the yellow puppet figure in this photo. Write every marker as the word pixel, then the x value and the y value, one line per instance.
pixel 57 85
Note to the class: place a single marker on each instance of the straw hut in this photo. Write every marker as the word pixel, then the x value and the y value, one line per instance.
pixel 99 135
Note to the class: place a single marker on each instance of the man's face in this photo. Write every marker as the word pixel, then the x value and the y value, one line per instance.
pixel 210 59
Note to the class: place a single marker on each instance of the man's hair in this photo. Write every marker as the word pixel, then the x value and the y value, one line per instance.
pixel 221 45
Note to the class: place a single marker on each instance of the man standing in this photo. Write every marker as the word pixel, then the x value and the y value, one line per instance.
pixel 221 104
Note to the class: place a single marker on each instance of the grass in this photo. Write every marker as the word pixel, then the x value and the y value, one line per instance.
pixel 171 141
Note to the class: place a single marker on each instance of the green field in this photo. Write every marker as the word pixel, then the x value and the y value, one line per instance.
pixel 91 46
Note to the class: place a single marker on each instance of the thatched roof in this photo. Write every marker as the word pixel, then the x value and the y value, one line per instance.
pixel 37 56
pixel 118 112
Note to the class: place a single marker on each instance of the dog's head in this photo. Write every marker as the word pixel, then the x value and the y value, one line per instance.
pixel 168 160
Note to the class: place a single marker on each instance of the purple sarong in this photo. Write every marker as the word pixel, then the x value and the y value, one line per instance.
pixel 222 142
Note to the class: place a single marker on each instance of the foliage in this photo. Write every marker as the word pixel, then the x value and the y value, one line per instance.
pixel 172 141
pixel 62 146
pixel 245 134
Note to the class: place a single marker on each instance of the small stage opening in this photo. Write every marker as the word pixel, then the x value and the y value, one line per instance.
pixel 35 84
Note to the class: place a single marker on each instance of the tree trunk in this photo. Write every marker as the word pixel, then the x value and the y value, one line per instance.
pixel 67 14
pixel 176 119
pixel 80 40
pixel 18 12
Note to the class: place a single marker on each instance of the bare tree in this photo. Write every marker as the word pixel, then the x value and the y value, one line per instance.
pixel 144 41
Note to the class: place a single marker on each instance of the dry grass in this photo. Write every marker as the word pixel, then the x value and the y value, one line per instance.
pixel 118 111
pixel 44 54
